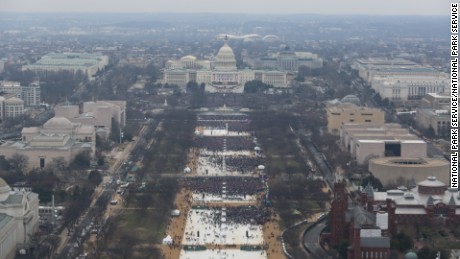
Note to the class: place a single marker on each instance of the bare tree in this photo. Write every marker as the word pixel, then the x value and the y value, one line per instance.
pixel 19 162
pixel 126 245
pixel 59 163
pixel 47 246
pixel 144 201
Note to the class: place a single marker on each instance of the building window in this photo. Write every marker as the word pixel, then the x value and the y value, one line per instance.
pixel 42 162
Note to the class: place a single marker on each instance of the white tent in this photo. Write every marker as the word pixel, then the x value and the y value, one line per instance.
pixel 175 213
pixel 257 148
pixel 187 170
pixel 167 240
pixel 261 167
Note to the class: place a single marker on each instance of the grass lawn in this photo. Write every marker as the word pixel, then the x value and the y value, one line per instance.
pixel 149 225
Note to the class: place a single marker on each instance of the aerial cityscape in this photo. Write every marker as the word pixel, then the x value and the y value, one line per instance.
pixel 229 129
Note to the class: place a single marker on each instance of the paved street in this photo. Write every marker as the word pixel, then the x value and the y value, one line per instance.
pixel 311 241
pixel 73 244
pixel 433 151
pixel 320 161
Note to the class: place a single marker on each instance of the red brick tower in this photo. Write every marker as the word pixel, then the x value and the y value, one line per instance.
pixel 356 243
pixel 430 209
pixel 339 207
pixel 391 218
pixel 451 211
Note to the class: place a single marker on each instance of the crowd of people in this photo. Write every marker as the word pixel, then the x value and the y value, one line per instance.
pixel 222 117
pixel 238 163
pixel 217 206
pixel 249 215
pixel 220 143
pixel 244 215
pixel 213 226
pixel 239 126
pixel 241 163
pixel 233 185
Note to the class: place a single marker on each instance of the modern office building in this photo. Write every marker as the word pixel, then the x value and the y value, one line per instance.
pixel 435 101
pixel 338 114
pixel 433 114
pixel 100 114
pixel 436 120
pixel 87 63
pixel 394 170
pixel 29 94
pixel 365 141
pixel 220 74
pixel 18 219
pixel 11 106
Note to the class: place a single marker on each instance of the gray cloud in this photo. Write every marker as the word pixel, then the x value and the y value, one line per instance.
pixel 396 7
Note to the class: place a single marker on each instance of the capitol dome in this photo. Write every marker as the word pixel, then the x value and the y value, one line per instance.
pixel 58 123
pixel 411 255
pixel 225 59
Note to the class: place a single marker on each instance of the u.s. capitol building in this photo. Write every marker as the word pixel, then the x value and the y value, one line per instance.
pixel 220 74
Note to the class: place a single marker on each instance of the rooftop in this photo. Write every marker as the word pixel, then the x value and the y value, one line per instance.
pixel 414 202
pixel 382 242
pixel 432 182
pixel 410 162
pixel 4 219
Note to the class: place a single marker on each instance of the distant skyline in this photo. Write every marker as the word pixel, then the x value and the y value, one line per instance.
pixel 366 7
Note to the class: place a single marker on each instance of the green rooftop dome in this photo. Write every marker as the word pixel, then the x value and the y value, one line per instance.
pixel 351 99
pixel 411 255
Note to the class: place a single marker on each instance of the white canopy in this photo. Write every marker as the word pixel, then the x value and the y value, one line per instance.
pixel 187 170
pixel 175 213
pixel 261 167
pixel 167 240
pixel 257 148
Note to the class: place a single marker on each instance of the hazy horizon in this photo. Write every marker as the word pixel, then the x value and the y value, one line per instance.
pixel 332 7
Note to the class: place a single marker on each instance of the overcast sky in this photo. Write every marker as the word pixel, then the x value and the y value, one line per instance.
pixel 383 7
